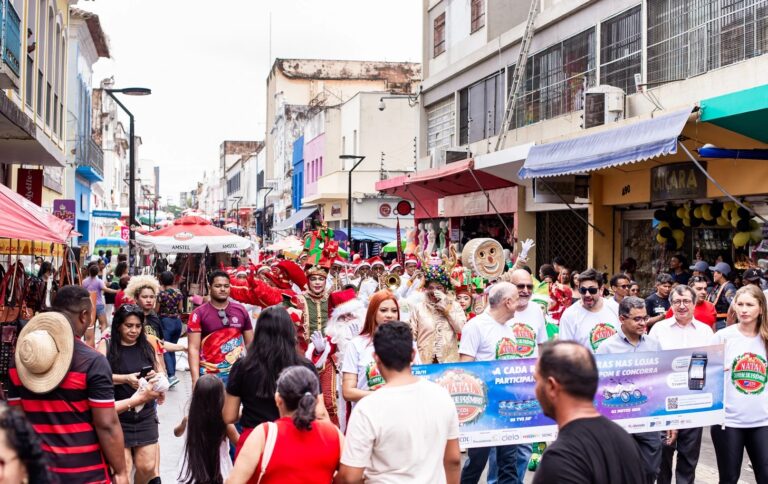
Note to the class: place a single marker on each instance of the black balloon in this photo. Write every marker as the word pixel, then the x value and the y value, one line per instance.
pixel 665 232
pixel 675 224
pixel 743 226
pixel 670 244
pixel 716 210
pixel 696 221
pixel 743 212
pixel 660 215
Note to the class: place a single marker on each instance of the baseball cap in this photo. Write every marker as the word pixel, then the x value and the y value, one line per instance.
pixel 722 268
pixel 752 275
pixel 700 266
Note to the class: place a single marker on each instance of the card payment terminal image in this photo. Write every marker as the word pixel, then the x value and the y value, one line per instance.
pixel 697 371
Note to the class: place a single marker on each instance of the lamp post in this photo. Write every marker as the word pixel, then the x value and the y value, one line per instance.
pixel 349 199
pixel 264 217
pixel 130 91
pixel 237 212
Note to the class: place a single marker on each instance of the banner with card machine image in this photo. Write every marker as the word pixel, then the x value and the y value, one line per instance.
pixel 642 392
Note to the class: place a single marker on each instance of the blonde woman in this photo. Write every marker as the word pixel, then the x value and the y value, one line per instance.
pixel 746 401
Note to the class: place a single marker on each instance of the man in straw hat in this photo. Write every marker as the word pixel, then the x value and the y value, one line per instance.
pixel 65 388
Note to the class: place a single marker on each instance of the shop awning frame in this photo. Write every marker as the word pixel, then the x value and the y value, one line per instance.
pixel 744 112
pixel 630 143
pixel 294 218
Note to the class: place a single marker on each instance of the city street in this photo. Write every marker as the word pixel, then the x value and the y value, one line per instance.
pixel 175 404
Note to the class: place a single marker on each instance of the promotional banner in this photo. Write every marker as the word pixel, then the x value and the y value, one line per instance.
pixel 30 185
pixel 65 210
pixel 496 400
pixel 30 247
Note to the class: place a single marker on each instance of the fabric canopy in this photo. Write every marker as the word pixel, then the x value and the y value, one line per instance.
pixel 456 179
pixel 295 218
pixel 23 220
pixel 192 235
pixel 374 234
pixel 744 112
pixel 631 143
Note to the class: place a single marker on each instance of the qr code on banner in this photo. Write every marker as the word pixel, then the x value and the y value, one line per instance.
pixel 672 403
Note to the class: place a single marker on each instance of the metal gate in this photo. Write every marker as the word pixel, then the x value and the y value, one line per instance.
pixel 561 233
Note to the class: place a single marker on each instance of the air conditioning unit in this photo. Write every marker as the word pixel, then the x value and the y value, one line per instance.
pixel 456 154
pixel 603 105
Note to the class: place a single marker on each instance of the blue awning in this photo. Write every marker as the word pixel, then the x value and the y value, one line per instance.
pixel 375 234
pixel 295 218
pixel 634 142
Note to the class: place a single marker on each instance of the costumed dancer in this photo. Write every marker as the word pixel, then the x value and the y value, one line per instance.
pixel 347 314
pixel 438 319
pixel 315 298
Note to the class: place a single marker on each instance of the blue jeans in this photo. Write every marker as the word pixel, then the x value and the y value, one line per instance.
pixel 524 452
pixel 171 331
pixel 506 459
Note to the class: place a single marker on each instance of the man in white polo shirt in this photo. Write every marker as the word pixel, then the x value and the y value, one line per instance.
pixel 681 331
pixel 487 337
pixel 591 321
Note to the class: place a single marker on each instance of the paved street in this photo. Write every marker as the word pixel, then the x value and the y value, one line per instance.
pixel 175 406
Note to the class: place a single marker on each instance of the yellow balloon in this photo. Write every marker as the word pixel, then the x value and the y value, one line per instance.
pixel 686 222
pixel 706 212
pixel 697 212
pixel 753 225
pixel 741 239
pixel 735 221
pixel 660 239
pixel 662 225
pixel 678 244
pixel 729 205
pixel 722 221
pixel 756 236
pixel 678 234
pixel 681 212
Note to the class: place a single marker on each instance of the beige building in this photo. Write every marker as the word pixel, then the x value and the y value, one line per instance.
pixel 297 86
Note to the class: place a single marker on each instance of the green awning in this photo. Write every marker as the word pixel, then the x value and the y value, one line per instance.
pixel 744 112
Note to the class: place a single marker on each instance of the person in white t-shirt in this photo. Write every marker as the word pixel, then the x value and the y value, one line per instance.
pixel 681 331
pixel 620 286
pixel 590 322
pixel 746 399
pixel 406 432
pixel 488 337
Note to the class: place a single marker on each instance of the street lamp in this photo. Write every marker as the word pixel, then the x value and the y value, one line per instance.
pixel 237 211
pixel 264 217
pixel 349 199
pixel 130 91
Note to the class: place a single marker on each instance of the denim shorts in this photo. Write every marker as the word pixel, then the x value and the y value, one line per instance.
pixel 100 310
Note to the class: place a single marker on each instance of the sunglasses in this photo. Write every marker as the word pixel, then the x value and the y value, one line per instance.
pixel 520 287
pixel 223 317
pixel 623 286
pixel 591 290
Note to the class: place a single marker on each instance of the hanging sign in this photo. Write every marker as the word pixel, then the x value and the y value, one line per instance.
pixel 30 185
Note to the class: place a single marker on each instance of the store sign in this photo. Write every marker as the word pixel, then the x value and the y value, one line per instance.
pixel 30 185
pixel 125 233
pixel 678 181
pixel 336 210
pixel 385 210
pixel 65 210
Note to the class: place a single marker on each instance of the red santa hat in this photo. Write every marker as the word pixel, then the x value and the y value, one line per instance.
pixel 376 260
pixel 411 259
pixel 343 302
pixel 361 264
pixel 294 272
pixel 395 264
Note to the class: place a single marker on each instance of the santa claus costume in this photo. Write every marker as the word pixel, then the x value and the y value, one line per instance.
pixel 347 314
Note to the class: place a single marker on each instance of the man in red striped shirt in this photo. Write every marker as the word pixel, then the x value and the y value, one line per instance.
pixel 77 421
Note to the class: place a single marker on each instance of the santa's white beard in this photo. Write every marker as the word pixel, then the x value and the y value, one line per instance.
pixel 339 332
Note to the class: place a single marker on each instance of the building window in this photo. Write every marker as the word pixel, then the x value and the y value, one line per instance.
pixel 478 15
pixel 439 35
pixel 690 37
pixel 621 50
pixel 441 125
pixel 482 109
pixel 555 80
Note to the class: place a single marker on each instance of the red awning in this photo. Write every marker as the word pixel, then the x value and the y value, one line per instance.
pixel 456 179
pixel 192 226
pixel 24 220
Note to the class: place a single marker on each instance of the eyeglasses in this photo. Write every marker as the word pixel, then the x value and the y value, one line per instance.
pixel 639 319
pixel 520 287
pixel 682 302
pixel 591 290
pixel 223 317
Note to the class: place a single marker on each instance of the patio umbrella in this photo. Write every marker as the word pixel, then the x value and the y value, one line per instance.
pixel 192 235
pixel 392 246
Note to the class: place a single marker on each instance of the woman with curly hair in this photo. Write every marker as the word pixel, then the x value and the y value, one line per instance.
pixel 144 290
pixel 20 451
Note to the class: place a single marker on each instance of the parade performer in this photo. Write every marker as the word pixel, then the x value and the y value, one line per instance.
pixel 347 314
pixel 438 319
pixel 315 298
pixel 369 285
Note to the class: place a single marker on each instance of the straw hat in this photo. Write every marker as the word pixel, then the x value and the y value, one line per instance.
pixel 44 352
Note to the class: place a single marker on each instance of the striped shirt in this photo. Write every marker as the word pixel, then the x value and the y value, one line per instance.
pixel 63 417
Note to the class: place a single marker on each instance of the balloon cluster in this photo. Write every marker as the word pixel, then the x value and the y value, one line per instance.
pixel 715 214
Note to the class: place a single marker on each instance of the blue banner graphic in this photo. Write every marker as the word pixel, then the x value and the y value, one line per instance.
pixel 642 392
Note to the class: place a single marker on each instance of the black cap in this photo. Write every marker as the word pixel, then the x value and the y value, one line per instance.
pixel 752 275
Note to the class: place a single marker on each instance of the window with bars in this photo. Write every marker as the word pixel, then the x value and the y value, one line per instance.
pixel 690 37
pixel 439 35
pixel 481 109
pixel 555 80
pixel 440 129
pixel 621 50
pixel 478 15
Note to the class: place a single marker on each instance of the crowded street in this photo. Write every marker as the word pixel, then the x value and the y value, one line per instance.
pixel 384 242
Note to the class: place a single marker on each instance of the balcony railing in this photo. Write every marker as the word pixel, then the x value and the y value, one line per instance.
pixel 10 37
pixel 89 155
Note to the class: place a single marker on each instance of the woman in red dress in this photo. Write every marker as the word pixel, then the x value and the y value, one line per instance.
pixel 296 448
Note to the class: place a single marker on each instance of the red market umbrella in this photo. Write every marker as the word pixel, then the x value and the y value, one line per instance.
pixel 23 220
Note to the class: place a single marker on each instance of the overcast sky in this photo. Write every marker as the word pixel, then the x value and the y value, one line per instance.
pixel 207 63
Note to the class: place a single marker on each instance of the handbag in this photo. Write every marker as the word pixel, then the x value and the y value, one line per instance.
pixel 269 447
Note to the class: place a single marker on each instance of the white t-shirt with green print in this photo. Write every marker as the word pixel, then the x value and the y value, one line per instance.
pixel 588 328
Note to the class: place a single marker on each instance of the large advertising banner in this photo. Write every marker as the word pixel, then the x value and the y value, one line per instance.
pixel 642 392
